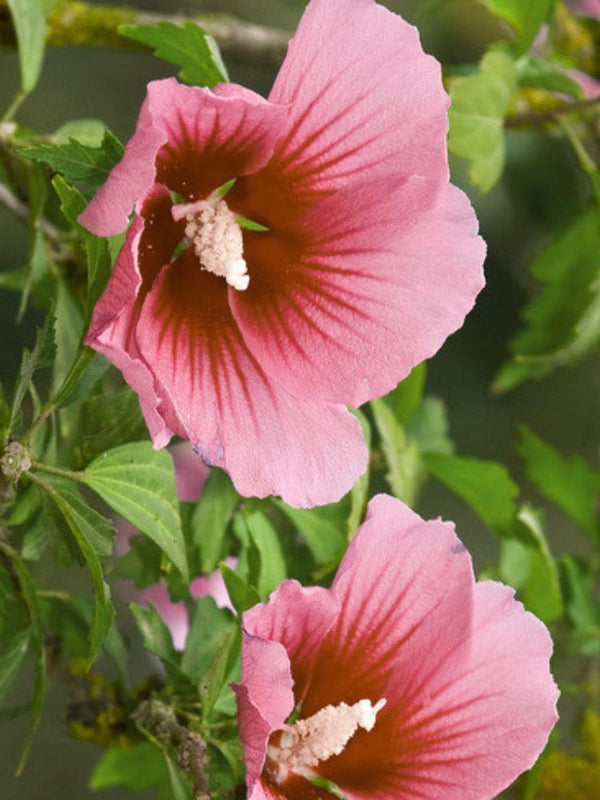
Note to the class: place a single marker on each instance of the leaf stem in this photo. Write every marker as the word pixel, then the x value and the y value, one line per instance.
pixel 63 473
pixel 538 118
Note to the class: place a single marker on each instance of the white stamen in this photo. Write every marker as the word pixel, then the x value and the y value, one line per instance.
pixel 309 741
pixel 213 231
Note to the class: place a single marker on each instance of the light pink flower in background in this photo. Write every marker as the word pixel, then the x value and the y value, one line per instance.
pixel 412 681
pixel 252 343
pixel 587 8
pixel 175 615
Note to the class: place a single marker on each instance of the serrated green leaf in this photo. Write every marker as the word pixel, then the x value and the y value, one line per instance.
pixel 41 356
pixel 242 595
pixel 479 104
pixel 79 163
pixel 187 46
pixel 211 516
pixel 138 482
pixel 525 16
pixel 568 482
pixel 72 203
pixel 91 532
pixel 484 485
pixel 405 471
pixel 12 655
pixel 108 420
pixel 562 323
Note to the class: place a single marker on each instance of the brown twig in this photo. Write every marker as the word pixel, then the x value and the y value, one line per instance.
pixel 538 118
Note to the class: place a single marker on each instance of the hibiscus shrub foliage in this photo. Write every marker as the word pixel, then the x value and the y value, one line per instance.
pixel 218 444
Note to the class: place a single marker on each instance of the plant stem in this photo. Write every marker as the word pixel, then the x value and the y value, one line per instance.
pixel 63 473
pixel 538 118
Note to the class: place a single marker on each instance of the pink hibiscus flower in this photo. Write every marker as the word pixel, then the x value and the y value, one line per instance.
pixel 411 680
pixel 251 343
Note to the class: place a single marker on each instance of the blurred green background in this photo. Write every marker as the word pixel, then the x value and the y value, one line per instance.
pixel 539 194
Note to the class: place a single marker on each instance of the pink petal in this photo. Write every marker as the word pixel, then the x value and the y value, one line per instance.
pixel 112 333
pixel 404 588
pixel 463 668
pixel 299 617
pixel 379 280
pixel 366 102
pixel 268 441
pixel 190 472
pixel 202 138
pixel 265 700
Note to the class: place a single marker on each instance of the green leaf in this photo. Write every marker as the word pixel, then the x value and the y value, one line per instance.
pixel 531 569
pixel 29 18
pixel 568 482
pixel 136 768
pixel 86 131
pixel 538 74
pixel 265 542
pixel 581 605
pixel 242 595
pixel 109 419
pixel 323 529
pixel 155 633
pixel 429 427
pixel 562 322
pixel 41 356
pixel 187 46
pixel 72 203
pixel 211 517
pixel 91 532
pixel 38 264
pixel 13 651
pixel 484 485
pixel 80 163
pixel 138 482
pixel 405 399
pixel 359 494
pixel 29 595
pixel 209 627
pixel 214 678
pixel 405 472
pixel 69 328
pixel 525 16
pixel 479 104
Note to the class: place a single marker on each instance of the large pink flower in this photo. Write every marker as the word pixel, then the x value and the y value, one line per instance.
pixel 412 681
pixel 251 343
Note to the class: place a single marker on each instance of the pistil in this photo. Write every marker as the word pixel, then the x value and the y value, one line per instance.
pixel 303 745
pixel 214 233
